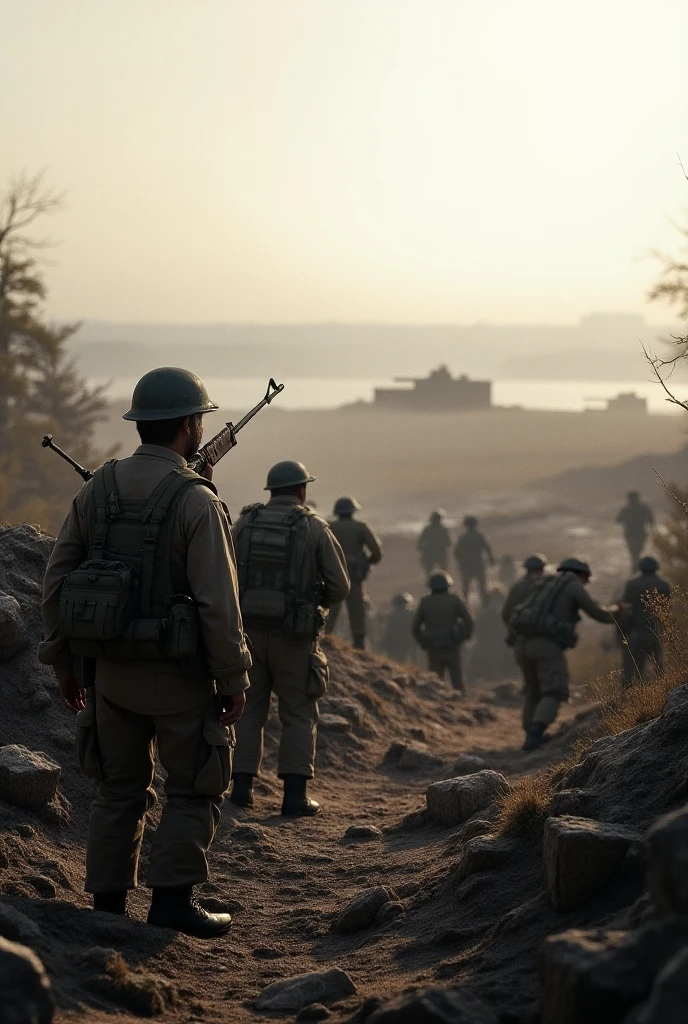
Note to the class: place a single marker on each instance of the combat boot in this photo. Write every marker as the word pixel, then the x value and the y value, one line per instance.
pixel 242 790
pixel 178 909
pixel 111 902
pixel 535 736
pixel 359 642
pixel 296 803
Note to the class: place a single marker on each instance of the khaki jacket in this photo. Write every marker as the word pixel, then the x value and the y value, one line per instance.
pixel 518 593
pixel 328 553
pixel 636 592
pixel 575 599
pixel 441 610
pixel 472 550
pixel 357 539
pixel 202 552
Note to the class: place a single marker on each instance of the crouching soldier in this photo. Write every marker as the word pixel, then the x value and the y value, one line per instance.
pixel 442 623
pixel 290 569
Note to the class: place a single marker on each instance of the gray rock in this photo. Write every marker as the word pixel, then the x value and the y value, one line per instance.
pixel 453 801
pixel 28 778
pixel 667 853
pixel 24 986
pixel 394 752
pixel 474 827
pixel 334 723
pixel 362 832
pixel 316 1011
pixel 580 856
pixel 418 759
pixel 668 1003
pixel 389 912
pixel 433 1006
pixel 508 694
pixel 482 854
pixel 17 927
pixel 580 803
pixel 304 989
pixel 14 636
pixel 468 764
pixel 361 911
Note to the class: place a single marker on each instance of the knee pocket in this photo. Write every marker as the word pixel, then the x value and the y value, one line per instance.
pixel 554 680
pixel 87 752
pixel 318 675
pixel 215 767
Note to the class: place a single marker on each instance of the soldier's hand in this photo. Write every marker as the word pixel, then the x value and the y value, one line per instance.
pixel 73 694
pixel 623 607
pixel 231 707
pixel 207 471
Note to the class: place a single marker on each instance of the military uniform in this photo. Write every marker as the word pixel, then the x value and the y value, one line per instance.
pixel 397 637
pixel 362 548
pixel 136 703
pixel 437 616
pixel 434 543
pixel 294 668
pixel 635 517
pixel 641 628
pixel 471 551
pixel 518 593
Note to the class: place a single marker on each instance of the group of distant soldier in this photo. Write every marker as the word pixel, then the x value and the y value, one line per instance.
pixel 169 630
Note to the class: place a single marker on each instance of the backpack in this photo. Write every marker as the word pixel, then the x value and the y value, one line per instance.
pixel 534 616
pixel 279 583
pixel 121 604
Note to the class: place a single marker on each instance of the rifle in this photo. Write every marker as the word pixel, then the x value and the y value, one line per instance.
pixel 208 455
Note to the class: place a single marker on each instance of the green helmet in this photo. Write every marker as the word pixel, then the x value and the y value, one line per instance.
pixel 437 516
pixel 574 565
pixel 536 561
pixel 440 581
pixel 346 506
pixel 648 564
pixel 168 393
pixel 470 521
pixel 287 474
pixel 404 600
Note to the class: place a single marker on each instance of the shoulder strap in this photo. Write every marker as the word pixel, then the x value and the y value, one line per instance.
pixel 106 502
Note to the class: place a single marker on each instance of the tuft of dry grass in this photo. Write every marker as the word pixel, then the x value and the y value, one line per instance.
pixel 526 805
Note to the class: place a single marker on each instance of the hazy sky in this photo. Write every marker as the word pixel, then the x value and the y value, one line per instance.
pixel 393 160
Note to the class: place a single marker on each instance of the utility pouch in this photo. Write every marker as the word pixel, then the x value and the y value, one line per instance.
pixel 96 601
pixel 87 751
pixel 181 628
pixel 318 675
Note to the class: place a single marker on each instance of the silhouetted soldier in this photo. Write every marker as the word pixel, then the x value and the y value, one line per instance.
pixel 397 638
pixel 534 566
pixel 434 543
pixel 635 517
pixel 362 548
pixel 471 552
pixel 641 627
pixel 441 624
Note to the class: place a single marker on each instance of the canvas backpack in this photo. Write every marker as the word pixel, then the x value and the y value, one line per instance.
pixel 534 616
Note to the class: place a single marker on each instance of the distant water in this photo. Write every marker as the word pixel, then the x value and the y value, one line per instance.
pixel 328 393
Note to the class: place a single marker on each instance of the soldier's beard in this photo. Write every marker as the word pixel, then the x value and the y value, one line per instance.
pixel 195 438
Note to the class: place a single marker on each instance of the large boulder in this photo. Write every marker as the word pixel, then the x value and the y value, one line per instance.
pixel 28 778
pixel 667 853
pixel 25 993
pixel 14 636
pixel 304 989
pixel 453 801
pixel 361 911
pixel 580 856
pixel 668 1003
pixel 433 1006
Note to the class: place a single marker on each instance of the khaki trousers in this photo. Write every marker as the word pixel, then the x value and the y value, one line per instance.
pixel 356 607
pixel 296 671
pixel 477 573
pixel 117 746
pixel 545 679
pixel 447 659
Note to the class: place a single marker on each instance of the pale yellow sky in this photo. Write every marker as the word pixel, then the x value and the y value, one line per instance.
pixel 385 160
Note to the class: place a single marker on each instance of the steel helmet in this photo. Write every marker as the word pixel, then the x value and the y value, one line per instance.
pixel 404 600
pixel 535 561
pixel 470 521
pixel 287 474
pixel 437 515
pixel 345 506
pixel 574 565
pixel 648 564
pixel 168 393
pixel 440 580
pixel 633 495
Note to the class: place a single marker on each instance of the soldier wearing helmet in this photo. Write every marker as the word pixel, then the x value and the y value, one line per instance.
pixel 442 623
pixel 291 568
pixel 473 553
pixel 636 518
pixel 641 627
pixel 534 566
pixel 541 627
pixel 434 543
pixel 176 675
pixel 362 548
pixel 397 638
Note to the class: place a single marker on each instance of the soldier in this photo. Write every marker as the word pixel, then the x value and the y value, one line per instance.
pixel 534 566
pixel 541 627
pixel 362 548
pixel 635 517
pixel 434 543
pixel 641 627
pixel 471 551
pixel 397 637
pixel 157 606
pixel 490 659
pixel 290 569
pixel 441 624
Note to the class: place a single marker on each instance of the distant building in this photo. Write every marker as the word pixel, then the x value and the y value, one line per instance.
pixel 626 402
pixel 439 391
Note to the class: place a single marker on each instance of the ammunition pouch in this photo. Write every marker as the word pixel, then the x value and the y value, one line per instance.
pixel 96 601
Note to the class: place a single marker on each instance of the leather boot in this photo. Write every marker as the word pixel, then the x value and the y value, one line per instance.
pixel 178 909
pixel 535 736
pixel 242 790
pixel 111 902
pixel 296 803
pixel 359 642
